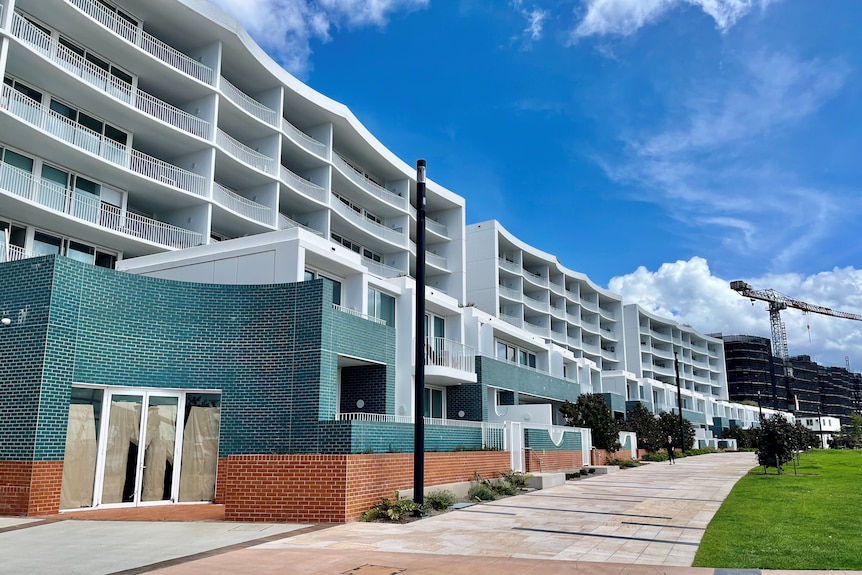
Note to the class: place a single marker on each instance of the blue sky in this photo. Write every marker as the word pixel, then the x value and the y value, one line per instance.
pixel 662 147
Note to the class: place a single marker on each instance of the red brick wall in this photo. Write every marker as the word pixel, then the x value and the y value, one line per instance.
pixel 337 488
pixel 45 483
pixel 547 461
pixel 14 486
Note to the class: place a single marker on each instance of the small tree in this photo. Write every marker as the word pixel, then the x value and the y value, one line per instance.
pixel 776 444
pixel 856 430
pixel 745 438
pixel 590 410
pixel 645 425
pixel 668 423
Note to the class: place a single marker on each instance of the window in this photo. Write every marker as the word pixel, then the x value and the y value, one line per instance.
pixel 336 285
pixel 512 354
pixel 85 120
pixel 24 89
pixel 354 247
pixel 47 244
pixel 434 402
pixel 381 306
pixel 435 326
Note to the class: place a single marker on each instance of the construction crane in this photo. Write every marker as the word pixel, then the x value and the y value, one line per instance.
pixel 778 302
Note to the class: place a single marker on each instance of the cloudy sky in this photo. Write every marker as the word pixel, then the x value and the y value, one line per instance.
pixel 662 147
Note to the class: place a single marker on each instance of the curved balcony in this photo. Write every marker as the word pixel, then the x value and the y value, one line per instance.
pixel 382 270
pixel 661 336
pixel 558 312
pixel 229 199
pixel 247 103
pixel 105 82
pixel 559 337
pixel 358 177
pixel 573 319
pixel 589 305
pixel 511 319
pixel 72 133
pixel 244 153
pixel 377 230
pixel 535 279
pixel 540 330
pixel 609 353
pixel 146 42
pixel 436 261
pixel 437 228
pixel 590 348
pixel 285 223
pixel 590 326
pixel 509 293
pixel 513 267
pixel 558 289
pixel 303 140
pixel 606 313
pixel 89 209
pixel 301 185
pixel 536 304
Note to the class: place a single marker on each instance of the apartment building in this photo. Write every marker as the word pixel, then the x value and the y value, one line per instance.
pixel 259 313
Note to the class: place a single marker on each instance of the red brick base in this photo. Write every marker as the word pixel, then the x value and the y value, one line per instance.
pixel 548 461
pixel 337 488
pixel 30 487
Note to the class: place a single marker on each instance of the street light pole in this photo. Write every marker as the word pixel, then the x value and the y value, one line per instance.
pixel 419 377
pixel 679 402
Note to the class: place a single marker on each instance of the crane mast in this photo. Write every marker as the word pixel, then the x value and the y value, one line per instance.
pixel 778 302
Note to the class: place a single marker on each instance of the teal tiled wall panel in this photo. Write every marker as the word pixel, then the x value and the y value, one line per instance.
pixel 540 440
pixel 496 373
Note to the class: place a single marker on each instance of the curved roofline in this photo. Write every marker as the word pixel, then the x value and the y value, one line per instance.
pixel 673 322
pixel 551 259
pixel 221 18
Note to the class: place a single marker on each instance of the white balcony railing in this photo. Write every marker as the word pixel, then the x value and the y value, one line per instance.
pixel 244 153
pixel 243 206
pixel 302 185
pixel 89 208
pixel 509 265
pixel 104 81
pixel 536 304
pixel 355 313
pixel 435 260
pixel 436 227
pixel 248 103
pixel 302 139
pixel 510 293
pixel 373 228
pixel 443 352
pixel 166 173
pixel 15 253
pixel 542 330
pixel 63 128
pixel 514 320
pixel 359 178
pixel 148 229
pixel 536 278
pixel 146 42
pixel 285 223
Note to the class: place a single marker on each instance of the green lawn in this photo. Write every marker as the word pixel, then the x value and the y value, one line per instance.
pixel 807 521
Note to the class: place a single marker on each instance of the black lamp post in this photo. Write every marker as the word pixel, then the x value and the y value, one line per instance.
pixel 419 377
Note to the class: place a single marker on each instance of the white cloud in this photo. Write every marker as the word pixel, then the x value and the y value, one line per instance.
pixel 625 17
pixel 286 28
pixel 688 292
pixel 535 19
pixel 712 166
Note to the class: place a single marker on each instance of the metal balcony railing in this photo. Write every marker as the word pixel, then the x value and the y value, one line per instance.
pixel 285 223
pixel 355 313
pixel 302 139
pixel 247 103
pixel 302 185
pixel 359 178
pixel 90 209
pixel 244 153
pixel 146 42
pixel 373 228
pixel 104 81
pixel 443 352
pixel 243 206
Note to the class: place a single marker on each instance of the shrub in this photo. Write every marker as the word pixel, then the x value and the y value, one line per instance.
pixel 440 500
pixel 390 509
pixel 481 492
pixel 622 463
pixel 516 479
pixel 575 475
pixel 591 470
pixel 583 471
pixel 657 456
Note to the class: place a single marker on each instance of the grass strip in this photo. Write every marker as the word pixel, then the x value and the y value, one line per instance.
pixel 806 521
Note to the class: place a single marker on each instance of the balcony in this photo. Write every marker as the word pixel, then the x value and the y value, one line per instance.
pixel 511 319
pixel 303 140
pixel 509 293
pixel 89 209
pixel 573 319
pixel 146 42
pixel 436 227
pixel 536 279
pixel 303 186
pixel 247 103
pixel 449 362
pixel 245 154
pixel 436 261
pixel 382 270
pixel 64 129
pixel 607 313
pixel 354 313
pixel 105 82
pixel 541 330
pixel 395 236
pixel 360 178
pixel 285 223
pixel 509 265
pixel 9 252
pixel 229 199
pixel 536 304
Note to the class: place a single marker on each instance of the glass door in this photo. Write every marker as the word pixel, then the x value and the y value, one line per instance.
pixel 140 450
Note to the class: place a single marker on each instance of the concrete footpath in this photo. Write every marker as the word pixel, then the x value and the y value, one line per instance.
pixel 647 520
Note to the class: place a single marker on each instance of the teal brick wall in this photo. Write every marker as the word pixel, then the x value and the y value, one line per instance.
pixel 496 373
pixel 398 437
pixel 272 351
pixel 616 402
pixel 540 440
